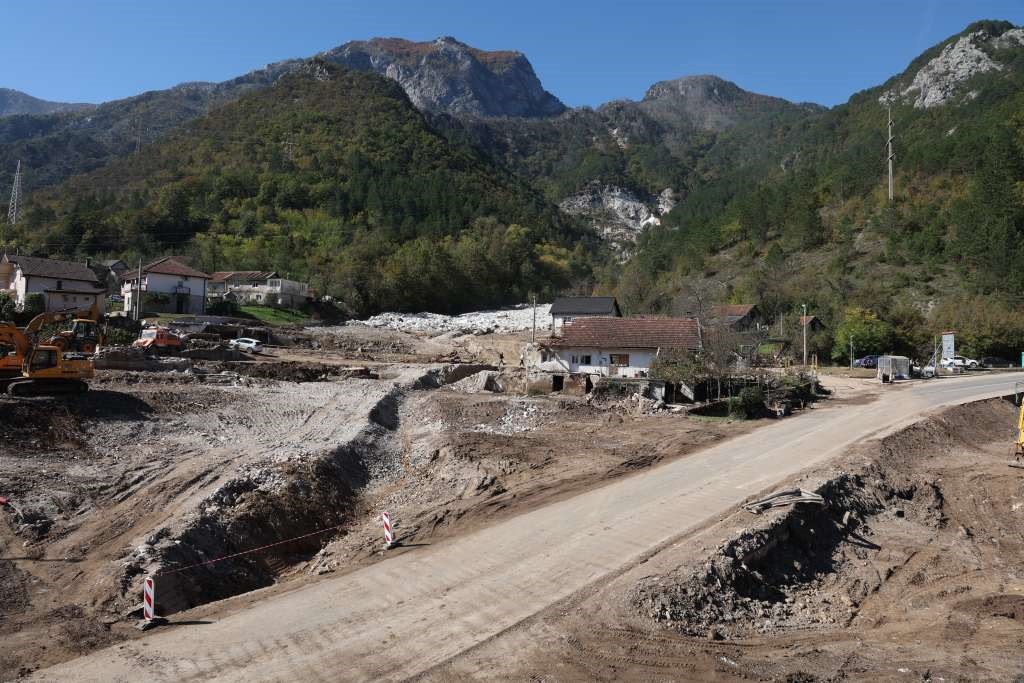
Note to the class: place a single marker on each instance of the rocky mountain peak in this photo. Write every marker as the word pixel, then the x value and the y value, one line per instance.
pixel 707 102
pixel 942 79
pixel 447 76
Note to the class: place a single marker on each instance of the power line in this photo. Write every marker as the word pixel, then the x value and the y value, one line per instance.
pixel 14 209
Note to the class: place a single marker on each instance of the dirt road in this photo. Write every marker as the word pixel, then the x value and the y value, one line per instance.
pixel 425 605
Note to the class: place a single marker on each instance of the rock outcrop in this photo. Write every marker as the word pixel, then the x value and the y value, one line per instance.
pixel 618 214
pixel 447 76
pixel 943 78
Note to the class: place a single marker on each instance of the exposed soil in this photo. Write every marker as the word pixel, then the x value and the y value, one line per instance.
pixel 911 571
pixel 157 471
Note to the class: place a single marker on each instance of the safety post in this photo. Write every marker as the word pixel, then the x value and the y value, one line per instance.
pixel 385 518
pixel 148 599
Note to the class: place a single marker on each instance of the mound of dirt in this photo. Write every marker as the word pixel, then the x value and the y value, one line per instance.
pixel 919 544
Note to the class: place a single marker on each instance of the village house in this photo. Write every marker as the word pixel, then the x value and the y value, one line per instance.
pixel 265 288
pixel 566 309
pixel 617 347
pixel 168 286
pixel 63 284
pixel 738 317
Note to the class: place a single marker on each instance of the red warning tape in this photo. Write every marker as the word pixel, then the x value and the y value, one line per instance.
pixel 245 552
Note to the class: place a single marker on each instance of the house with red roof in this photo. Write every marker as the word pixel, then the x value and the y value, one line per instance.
pixel 618 347
pixel 169 285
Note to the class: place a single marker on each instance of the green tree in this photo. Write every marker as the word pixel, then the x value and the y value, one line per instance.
pixel 870 334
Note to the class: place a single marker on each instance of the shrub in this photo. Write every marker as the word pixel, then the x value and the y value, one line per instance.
pixel 749 404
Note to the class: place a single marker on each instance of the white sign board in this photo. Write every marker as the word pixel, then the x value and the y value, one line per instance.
pixel 948 345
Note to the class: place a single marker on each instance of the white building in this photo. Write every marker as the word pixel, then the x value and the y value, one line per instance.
pixel 265 288
pixel 63 284
pixel 617 347
pixel 168 286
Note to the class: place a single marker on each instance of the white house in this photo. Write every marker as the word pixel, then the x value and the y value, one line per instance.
pixel 617 347
pixel 566 309
pixel 63 284
pixel 258 287
pixel 168 286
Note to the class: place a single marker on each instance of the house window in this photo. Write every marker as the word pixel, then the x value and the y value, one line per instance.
pixel 575 359
pixel 60 284
pixel 567 319
pixel 584 360
pixel 620 359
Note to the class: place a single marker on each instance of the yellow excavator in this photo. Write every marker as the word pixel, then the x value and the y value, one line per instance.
pixel 59 364
pixel 49 371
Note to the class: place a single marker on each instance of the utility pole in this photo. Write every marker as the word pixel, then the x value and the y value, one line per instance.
pixel 803 320
pixel 138 294
pixel 890 154
pixel 851 352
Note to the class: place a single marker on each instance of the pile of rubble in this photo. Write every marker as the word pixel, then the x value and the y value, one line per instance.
pixel 131 358
pixel 503 321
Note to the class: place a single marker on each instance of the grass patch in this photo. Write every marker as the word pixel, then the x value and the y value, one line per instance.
pixel 274 316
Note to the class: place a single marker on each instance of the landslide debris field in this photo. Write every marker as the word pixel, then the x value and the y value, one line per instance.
pixel 157 472
pixel 913 570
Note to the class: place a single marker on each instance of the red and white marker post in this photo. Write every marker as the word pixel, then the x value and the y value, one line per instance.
pixel 148 599
pixel 385 518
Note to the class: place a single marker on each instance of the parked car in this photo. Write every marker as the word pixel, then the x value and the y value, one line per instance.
pixel 928 371
pixel 960 362
pixel 866 362
pixel 247 344
pixel 995 362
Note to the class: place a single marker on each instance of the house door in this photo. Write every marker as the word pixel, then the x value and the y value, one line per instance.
pixel 180 304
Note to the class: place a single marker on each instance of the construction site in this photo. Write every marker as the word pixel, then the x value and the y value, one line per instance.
pixel 243 483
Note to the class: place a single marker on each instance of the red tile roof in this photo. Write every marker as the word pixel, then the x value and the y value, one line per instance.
pixel 630 333
pixel 169 265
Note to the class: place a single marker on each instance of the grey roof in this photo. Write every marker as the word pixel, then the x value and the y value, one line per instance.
pixel 32 266
pixel 586 305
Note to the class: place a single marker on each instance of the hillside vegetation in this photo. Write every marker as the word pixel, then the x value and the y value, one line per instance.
pixel 329 175
pixel 814 226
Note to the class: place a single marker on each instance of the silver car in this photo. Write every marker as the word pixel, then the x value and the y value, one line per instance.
pixel 247 344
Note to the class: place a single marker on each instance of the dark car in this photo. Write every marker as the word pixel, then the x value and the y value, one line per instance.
pixel 866 362
pixel 995 362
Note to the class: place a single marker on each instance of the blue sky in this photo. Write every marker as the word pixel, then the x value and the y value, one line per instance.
pixel 586 53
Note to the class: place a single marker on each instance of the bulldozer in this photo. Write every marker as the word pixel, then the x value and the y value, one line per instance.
pixel 48 370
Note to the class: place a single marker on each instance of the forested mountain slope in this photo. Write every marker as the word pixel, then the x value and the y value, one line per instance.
pixel 810 222
pixel 331 175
